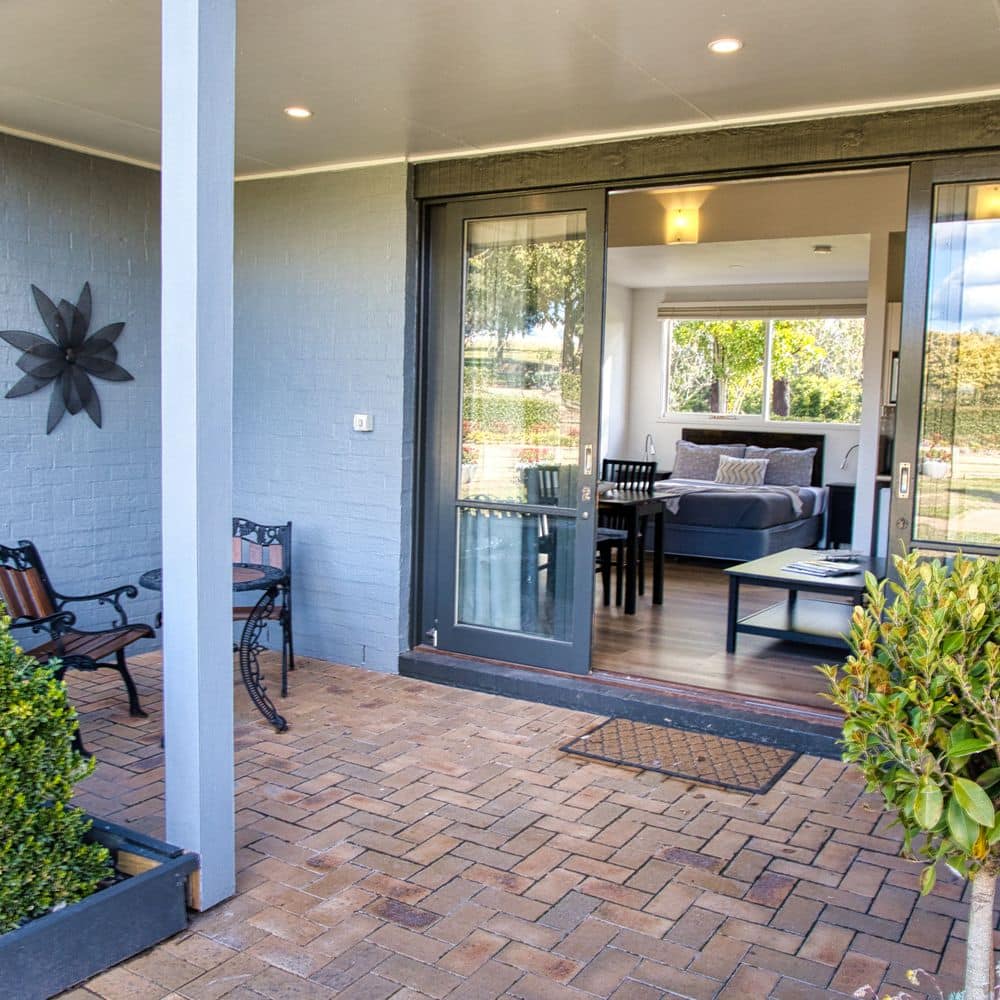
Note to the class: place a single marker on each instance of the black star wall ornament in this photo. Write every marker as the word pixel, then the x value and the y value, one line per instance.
pixel 69 359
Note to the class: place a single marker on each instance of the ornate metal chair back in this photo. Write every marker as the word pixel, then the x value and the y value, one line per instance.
pixel 24 585
pixel 263 544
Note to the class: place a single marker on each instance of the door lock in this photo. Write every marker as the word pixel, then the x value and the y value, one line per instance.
pixel 903 481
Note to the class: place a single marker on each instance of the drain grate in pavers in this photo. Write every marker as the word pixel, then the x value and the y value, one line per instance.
pixel 703 757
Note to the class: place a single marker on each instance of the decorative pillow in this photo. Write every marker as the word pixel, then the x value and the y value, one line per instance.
pixel 701 461
pixel 785 466
pixel 741 471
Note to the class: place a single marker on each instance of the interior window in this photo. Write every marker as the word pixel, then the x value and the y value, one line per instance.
pixel 811 368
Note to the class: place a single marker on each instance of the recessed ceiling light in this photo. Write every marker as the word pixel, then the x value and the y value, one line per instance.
pixel 725 46
pixel 822 248
pixel 297 112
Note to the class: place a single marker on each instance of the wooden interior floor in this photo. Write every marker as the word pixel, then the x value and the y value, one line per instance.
pixel 684 640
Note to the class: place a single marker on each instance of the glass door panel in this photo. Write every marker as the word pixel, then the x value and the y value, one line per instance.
pixel 522 341
pixel 958 470
pixel 946 482
pixel 515 571
pixel 516 306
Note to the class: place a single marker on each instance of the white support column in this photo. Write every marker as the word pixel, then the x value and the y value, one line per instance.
pixel 199 45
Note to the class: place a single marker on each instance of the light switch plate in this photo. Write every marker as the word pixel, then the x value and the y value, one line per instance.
pixel 362 421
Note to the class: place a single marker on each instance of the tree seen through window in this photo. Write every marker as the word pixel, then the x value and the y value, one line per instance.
pixel 812 368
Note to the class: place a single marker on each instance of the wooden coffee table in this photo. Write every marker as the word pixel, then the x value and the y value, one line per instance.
pixel 815 622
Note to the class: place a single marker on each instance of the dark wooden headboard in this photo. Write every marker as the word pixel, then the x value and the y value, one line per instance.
pixel 763 439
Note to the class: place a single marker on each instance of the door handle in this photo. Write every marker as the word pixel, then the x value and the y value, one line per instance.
pixel 903 481
pixel 588 460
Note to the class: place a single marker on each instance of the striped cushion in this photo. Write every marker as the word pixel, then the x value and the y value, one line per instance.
pixel 741 471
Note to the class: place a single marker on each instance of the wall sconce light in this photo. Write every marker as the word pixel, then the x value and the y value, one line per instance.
pixel 986 201
pixel 682 225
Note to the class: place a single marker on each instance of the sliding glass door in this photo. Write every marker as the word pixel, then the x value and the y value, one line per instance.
pixel 946 488
pixel 515 313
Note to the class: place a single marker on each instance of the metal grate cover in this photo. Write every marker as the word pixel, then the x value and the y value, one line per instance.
pixel 703 757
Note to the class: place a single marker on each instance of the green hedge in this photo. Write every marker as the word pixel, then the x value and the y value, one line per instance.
pixel 978 427
pixel 975 427
pixel 44 861
pixel 489 412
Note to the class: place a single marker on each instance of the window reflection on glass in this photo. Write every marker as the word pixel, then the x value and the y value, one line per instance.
pixel 521 352
pixel 958 481
pixel 515 571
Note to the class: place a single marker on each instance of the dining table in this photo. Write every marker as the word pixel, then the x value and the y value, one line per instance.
pixel 635 506
pixel 246 577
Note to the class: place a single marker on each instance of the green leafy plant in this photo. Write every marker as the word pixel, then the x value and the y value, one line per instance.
pixel 921 697
pixel 44 861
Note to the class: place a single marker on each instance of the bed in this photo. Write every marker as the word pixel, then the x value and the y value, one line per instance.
pixel 739 524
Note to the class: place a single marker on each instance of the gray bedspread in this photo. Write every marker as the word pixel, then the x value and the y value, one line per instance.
pixel 715 505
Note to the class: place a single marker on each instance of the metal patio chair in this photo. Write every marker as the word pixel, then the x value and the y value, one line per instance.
pixel 269 545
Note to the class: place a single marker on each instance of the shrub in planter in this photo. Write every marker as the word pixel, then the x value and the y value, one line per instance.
pixel 921 697
pixel 44 861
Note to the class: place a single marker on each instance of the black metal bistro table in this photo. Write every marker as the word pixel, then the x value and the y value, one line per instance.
pixel 636 505
pixel 246 577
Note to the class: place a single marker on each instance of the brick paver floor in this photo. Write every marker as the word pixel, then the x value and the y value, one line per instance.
pixel 408 840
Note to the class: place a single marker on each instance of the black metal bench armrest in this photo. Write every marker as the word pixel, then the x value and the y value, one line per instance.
pixel 112 597
pixel 54 624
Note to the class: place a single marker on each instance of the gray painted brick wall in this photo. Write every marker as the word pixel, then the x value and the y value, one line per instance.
pixel 322 304
pixel 321 328
pixel 89 498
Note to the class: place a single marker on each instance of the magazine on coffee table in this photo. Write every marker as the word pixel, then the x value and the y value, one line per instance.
pixel 824 567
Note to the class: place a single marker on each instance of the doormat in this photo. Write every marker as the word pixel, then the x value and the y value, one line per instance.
pixel 702 757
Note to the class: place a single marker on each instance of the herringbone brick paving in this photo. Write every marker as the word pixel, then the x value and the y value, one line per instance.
pixel 408 840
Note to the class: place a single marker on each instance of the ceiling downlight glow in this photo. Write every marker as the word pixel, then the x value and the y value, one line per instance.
pixel 725 46
pixel 298 112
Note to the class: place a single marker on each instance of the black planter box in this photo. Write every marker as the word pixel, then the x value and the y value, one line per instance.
pixel 59 950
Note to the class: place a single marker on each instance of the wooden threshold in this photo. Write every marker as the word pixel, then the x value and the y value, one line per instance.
pixel 607 694
pixel 728 699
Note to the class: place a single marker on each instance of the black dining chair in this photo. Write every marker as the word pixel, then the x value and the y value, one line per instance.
pixel 269 545
pixel 610 544
pixel 629 475
pixel 543 484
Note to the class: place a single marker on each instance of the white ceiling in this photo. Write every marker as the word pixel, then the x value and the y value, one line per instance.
pixel 421 78
pixel 744 262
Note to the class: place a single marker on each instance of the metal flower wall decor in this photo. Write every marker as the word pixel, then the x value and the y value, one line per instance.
pixel 69 359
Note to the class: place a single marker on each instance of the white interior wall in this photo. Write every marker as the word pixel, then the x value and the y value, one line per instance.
pixel 616 371
pixel 646 399
pixel 873 202
pixel 871 399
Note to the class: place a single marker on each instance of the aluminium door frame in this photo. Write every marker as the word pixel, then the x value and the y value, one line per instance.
pixel 445 280
pixel 925 174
